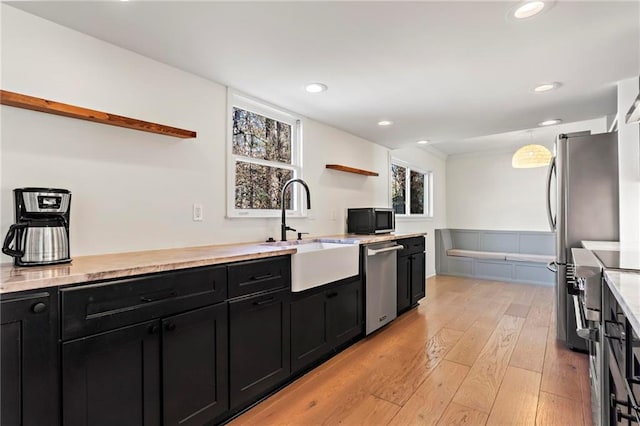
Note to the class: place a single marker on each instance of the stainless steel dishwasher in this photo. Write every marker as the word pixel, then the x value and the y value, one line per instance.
pixel 381 284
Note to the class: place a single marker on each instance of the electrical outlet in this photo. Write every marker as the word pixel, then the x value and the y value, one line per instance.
pixel 334 215
pixel 198 212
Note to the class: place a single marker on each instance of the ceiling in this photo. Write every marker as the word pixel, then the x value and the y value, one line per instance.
pixel 443 71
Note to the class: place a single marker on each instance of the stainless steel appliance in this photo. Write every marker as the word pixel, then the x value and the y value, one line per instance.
pixel 381 284
pixel 40 235
pixel 585 168
pixel 587 281
pixel 371 220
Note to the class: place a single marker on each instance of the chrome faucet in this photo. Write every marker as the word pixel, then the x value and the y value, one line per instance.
pixel 284 226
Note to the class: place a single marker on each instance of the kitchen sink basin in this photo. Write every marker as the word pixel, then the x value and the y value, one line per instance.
pixel 318 263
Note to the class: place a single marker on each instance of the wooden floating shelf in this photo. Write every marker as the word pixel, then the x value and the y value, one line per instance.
pixel 52 107
pixel 351 170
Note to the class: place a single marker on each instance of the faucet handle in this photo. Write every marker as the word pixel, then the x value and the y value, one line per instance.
pixel 300 234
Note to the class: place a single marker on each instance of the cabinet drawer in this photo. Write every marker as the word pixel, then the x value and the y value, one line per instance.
pixel 411 246
pixel 259 275
pixel 93 308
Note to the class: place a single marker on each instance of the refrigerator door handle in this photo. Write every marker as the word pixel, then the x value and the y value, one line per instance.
pixel 552 168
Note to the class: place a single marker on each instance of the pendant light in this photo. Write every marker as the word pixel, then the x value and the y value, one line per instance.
pixel 530 156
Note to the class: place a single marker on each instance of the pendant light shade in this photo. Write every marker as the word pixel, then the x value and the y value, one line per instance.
pixel 530 156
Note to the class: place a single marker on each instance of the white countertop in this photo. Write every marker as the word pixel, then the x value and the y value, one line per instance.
pixel 601 245
pixel 625 286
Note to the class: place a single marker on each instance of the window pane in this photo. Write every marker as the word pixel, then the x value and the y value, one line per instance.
pixel 416 187
pixel 398 188
pixel 258 187
pixel 260 137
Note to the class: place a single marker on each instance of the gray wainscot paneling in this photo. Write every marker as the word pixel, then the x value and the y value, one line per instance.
pixel 508 242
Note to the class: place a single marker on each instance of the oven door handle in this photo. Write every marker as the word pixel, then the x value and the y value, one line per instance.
pixel 582 329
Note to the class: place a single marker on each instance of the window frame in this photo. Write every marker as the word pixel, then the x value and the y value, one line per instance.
pixel 428 189
pixel 248 103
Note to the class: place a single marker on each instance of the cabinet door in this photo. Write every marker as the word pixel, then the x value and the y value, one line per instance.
pixel 259 345
pixel 404 283
pixel 194 366
pixel 309 335
pixel 113 378
pixel 28 361
pixel 344 311
pixel 417 277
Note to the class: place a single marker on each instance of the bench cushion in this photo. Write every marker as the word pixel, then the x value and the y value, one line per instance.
pixel 477 254
pixel 523 257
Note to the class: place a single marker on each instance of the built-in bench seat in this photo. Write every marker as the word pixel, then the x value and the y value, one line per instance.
pixel 519 256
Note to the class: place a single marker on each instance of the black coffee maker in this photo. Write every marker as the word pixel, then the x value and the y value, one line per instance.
pixel 40 235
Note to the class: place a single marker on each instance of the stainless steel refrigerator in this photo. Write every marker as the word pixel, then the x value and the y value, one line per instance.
pixel 583 182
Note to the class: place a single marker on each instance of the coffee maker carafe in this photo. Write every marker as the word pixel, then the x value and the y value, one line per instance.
pixel 40 235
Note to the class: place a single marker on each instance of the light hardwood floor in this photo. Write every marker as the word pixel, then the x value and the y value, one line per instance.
pixel 474 352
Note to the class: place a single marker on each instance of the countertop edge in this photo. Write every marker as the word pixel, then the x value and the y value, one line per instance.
pixel 628 311
pixel 118 269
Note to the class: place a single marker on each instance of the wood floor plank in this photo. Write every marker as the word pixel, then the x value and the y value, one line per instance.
pixel 517 399
pixel 408 372
pixel 457 414
pixel 518 310
pixel 464 319
pixel 481 385
pixel 530 348
pixel 470 345
pixel 432 397
pixel 540 314
pixel 561 370
pixel 370 411
pixel 554 410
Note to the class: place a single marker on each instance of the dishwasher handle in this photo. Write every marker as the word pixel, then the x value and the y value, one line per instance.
pixel 371 252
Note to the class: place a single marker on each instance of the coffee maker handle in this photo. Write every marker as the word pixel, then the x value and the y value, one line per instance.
pixel 10 237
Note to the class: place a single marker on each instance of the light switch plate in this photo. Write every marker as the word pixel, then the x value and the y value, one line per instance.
pixel 198 212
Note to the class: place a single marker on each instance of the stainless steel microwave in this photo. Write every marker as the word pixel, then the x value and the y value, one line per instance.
pixel 371 220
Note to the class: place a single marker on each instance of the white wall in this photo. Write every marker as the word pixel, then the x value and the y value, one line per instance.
pixel 485 192
pixel 629 165
pixel 134 190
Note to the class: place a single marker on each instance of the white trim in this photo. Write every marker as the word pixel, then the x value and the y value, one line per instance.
pixel 240 100
pixel 428 190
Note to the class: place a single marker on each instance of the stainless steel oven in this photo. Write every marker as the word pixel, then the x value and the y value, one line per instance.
pixel 584 282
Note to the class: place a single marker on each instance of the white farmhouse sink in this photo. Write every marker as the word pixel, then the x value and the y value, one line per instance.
pixel 321 263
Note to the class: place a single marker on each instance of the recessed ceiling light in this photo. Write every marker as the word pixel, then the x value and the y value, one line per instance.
pixel 423 142
pixel 550 122
pixel 528 9
pixel 315 87
pixel 545 87
pixel 385 123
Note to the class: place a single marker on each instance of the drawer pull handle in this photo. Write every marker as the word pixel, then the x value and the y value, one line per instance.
pixel 261 277
pixel 331 295
pixel 169 326
pixel 264 302
pixel 153 329
pixel 39 308
pixel 158 296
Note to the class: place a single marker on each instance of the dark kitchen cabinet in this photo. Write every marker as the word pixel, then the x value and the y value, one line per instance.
pixel 344 307
pixel 146 350
pixel 170 371
pixel 410 273
pixel 113 378
pixel 309 330
pixel 195 366
pixel 323 319
pixel 28 359
pixel 259 345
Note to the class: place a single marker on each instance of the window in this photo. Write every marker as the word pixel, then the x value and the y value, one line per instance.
pixel 264 153
pixel 411 190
